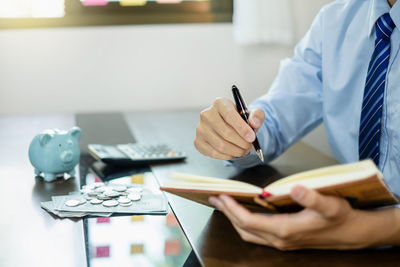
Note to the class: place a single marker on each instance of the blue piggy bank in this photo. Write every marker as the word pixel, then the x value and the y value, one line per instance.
pixel 55 152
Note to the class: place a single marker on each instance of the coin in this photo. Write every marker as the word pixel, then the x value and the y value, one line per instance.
pixel 72 203
pixel 119 188
pixel 82 201
pixel 126 204
pixel 110 203
pixel 96 201
pixel 100 189
pixel 134 196
pixel 124 200
pixel 111 193
pixel 93 193
pixel 85 190
pixel 88 186
pixel 98 184
pixel 103 197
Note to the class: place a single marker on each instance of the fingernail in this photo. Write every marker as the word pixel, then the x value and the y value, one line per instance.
pixel 298 192
pixel 249 137
pixel 256 121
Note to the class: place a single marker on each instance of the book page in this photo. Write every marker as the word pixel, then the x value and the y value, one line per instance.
pixel 209 180
pixel 337 174
pixel 246 188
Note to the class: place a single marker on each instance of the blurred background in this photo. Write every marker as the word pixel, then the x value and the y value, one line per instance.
pixel 60 56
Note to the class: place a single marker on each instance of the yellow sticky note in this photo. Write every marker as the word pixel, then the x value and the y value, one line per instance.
pixel 137 218
pixel 137 179
pixel 133 2
pixel 137 249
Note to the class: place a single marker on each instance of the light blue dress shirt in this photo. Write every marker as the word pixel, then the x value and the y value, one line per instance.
pixel 324 82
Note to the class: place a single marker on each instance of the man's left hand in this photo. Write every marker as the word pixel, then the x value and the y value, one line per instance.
pixel 326 222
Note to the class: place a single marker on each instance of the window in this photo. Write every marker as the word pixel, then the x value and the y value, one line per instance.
pixel 55 13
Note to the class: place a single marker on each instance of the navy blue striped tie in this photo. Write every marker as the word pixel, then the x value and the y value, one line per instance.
pixel 371 113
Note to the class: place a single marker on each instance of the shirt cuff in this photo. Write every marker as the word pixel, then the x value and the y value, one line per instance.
pixel 248 161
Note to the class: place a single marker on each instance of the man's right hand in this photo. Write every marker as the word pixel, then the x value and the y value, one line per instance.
pixel 223 134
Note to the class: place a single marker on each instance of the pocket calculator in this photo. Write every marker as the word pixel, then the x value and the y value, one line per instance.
pixel 135 154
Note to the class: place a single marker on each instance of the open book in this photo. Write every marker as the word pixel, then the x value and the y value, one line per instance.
pixel 360 183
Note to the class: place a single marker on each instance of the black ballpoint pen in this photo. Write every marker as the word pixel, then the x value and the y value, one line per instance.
pixel 244 113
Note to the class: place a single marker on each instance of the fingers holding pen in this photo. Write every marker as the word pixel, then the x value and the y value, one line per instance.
pixel 218 143
pixel 256 118
pixel 222 133
pixel 206 149
pixel 230 115
pixel 212 118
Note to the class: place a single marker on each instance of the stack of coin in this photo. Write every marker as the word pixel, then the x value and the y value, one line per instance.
pixel 109 195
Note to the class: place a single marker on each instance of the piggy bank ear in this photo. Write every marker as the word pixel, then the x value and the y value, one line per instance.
pixel 45 138
pixel 75 132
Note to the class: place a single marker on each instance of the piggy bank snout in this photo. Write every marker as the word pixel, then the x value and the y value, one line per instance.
pixel 67 156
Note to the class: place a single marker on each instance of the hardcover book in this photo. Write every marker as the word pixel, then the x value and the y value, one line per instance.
pixel 361 183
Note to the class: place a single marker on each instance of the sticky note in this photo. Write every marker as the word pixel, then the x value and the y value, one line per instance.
pixel 94 2
pixel 133 2
pixel 137 179
pixel 168 1
pixel 172 247
pixel 137 249
pixel 171 219
pixel 103 220
pixel 137 218
pixel 103 252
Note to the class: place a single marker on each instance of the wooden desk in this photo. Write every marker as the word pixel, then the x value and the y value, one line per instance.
pixel 31 237
pixel 210 234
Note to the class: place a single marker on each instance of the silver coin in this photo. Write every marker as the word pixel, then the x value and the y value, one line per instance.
pixel 119 188
pixel 100 189
pixel 110 203
pixel 126 204
pixel 82 201
pixel 88 198
pixel 72 203
pixel 96 201
pixel 103 197
pixel 85 190
pixel 98 184
pixel 93 193
pixel 124 200
pixel 89 186
pixel 111 193
pixel 134 196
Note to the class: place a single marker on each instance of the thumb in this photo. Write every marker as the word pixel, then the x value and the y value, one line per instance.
pixel 256 118
pixel 328 206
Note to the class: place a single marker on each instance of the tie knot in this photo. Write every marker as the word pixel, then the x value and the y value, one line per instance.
pixel 384 27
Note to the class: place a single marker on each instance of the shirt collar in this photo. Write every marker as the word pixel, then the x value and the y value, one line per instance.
pixel 377 9
pixel 395 14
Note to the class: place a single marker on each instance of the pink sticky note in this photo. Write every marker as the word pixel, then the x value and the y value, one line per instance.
pixel 95 2
pixel 168 1
pixel 172 247
pixel 103 220
pixel 103 252
pixel 171 220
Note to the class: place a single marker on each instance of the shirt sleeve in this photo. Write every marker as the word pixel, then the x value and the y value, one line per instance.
pixel 293 105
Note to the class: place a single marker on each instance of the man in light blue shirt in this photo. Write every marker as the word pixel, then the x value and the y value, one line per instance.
pixel 345 73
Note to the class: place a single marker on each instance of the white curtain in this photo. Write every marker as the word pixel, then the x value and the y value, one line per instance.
pixel 262 22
